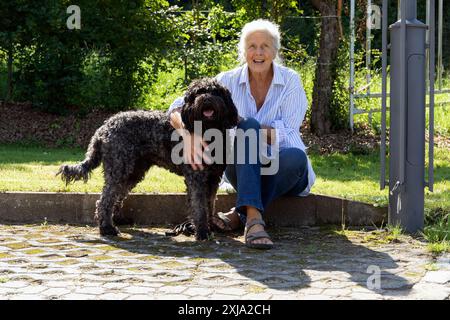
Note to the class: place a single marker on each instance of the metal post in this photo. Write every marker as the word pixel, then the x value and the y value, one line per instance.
pixel 431 71
pixel 440 65
pixel 403 84
pixel 407 120
pixel 352 62
pixel 427 40
pixel 383 92
pixel 368 47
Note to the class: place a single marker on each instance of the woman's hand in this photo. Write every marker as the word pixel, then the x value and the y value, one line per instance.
pixel 193 145
pixel 194 151
pixel 269 134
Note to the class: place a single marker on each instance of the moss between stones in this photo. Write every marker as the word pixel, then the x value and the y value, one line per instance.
pixel 297 262
pixel 33 251
pixel 126 253
pixel 5 256
pixel 100 258
pixel 63 247
pixel 431 267
pixel 38 266
pixel 107 248
pixel 380 238
pixel 68 262
pixel 254 289
pixel 228 256
pixel 19 245
pixel 171 264
pixel 88 267
pixel 411 274
pixel 139 269
pixel 149 258
pixel 198 260
pixel 46 240
pixel 17 261
pixel 124 237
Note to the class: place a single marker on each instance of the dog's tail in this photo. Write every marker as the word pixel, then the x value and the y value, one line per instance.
pixel 82 170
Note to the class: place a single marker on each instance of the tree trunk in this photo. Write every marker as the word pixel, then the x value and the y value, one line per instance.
pixel 325 69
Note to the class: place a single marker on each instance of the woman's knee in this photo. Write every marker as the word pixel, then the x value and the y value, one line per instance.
pixel 294 159
pixel 249 123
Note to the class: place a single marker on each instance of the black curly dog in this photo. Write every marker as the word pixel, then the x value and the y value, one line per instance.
pixel 129 143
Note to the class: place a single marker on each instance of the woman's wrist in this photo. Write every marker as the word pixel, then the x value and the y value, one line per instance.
pixel 269 133
pixel 175 119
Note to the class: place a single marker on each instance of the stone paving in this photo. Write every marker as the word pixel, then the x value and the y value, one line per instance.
pixel 74 262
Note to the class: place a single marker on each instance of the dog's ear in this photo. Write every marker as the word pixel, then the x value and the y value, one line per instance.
pixel 187 116
pixel 232 117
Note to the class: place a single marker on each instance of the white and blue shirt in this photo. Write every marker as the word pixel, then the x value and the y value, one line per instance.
pixel 284 107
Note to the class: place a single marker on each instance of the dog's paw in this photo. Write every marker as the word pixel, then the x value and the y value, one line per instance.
pixel 202 235
pixel 109 230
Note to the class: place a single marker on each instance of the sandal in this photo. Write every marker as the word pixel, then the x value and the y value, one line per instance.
pixel 228 225
pixel 249 238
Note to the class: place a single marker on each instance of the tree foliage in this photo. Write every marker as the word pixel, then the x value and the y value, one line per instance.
pixel 130 38
pixel 114 59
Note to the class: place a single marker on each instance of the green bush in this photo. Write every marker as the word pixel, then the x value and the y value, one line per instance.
pixel 111 61
pixel 206 42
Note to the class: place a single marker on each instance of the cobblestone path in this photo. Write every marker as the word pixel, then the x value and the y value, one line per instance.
pixel 74 262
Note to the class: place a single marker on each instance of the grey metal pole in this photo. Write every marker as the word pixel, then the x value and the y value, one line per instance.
pixel 368 45
pixel 431 75
pixel 384 94
pixel 427 40
pixel 407 120
pixel 403 84
pixel 352 63
pixel 440 27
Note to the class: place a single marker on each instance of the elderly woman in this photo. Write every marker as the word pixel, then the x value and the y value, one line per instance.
pixel 270 97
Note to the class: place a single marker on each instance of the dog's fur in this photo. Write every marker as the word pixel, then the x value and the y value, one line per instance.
pixel 129 143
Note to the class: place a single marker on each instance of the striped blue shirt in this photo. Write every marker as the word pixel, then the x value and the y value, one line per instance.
pixel 284 107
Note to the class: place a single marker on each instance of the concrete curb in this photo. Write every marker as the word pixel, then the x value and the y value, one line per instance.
pixel 158 209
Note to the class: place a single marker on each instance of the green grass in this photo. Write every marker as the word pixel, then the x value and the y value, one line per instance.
pixel 438 235
pixel 350 176
pixel 33 168
pixel 355 177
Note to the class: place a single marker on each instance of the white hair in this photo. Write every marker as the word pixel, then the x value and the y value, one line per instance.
pixel 267 26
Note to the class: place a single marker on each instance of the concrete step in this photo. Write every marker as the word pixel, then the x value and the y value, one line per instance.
pixel 158 209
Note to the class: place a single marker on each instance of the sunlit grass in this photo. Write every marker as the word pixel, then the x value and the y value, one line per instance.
pixel 348 176
pixel 34 169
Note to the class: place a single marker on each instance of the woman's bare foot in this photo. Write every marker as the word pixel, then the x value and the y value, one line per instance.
pixel 226 221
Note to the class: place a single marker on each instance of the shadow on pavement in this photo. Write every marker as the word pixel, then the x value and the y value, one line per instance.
pixel 331 259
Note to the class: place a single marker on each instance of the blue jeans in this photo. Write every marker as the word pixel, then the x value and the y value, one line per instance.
pixel 254 189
